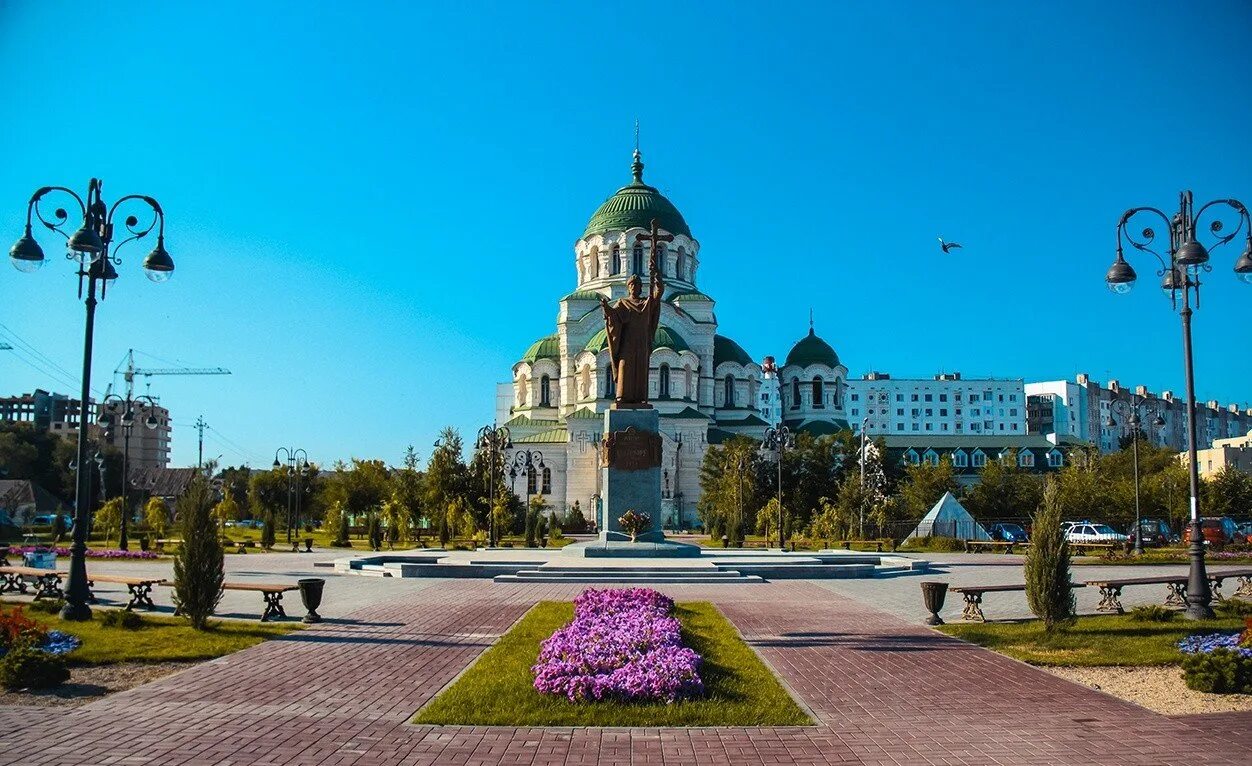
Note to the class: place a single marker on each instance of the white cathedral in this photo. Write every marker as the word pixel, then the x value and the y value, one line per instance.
pixel 704 385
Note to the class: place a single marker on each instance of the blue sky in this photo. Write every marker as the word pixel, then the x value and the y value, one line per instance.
pixel 372 210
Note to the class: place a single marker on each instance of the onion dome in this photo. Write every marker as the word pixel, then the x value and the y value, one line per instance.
pixel 547 347
pixel 726 350
pixel 665 337
pixel 812 350
pixel 634 206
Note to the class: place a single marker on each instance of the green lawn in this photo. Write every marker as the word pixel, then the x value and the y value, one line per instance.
pixel 497 690
pixel 160 639
pixel 1103 640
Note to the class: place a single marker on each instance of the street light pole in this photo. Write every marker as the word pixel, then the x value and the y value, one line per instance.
pixel 494 441
pixel 778 440
pixel 861 532
pixel 1135 423
pixel 297 460
pixel 1181 267
pixel 127 420
pixel 89 247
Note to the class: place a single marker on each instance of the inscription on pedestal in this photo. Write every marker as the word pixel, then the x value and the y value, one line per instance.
pixel 631 450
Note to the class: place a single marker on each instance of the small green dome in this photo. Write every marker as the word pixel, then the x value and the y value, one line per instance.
pixel 664 338
pixel 547 347
pixel 812 350
pixel 634 206
pixel 726 350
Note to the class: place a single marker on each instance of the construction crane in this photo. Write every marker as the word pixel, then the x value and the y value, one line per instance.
pixel 128 371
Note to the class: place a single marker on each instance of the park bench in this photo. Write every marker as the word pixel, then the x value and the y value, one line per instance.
pixel 877 544
pixel 1088 547
pixel 973 597
pixel 1111 588
pixel 164 541
pixel 973 546
pixel 308 545
pixel 140 588
pixel 47 581
pixel 272 594
pixel 1244 576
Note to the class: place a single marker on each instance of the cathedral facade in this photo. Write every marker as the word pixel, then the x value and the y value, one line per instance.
pixel 705 387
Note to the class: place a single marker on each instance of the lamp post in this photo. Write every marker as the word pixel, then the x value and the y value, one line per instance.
pixel 778 440
pixel 88 248
pixel 1131 409
pixel 297 460
pixel 861 532
pixel 127 421
pixel 1184 260
pixel 525 463
pixel 494 441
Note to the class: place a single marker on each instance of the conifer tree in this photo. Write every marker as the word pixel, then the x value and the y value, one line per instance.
pixel 1047 574
pixel 199 568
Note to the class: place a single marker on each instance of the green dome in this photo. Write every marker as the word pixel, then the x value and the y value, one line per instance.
pixel 547 347
pixel 634 206
pixel 726 350
pixel 664 338
pixel 812 350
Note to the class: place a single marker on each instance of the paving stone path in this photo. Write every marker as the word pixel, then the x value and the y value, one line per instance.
pixel 885 691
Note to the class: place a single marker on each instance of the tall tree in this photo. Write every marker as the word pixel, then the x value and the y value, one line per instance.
pixel 406 490
pixel 1004 491
pixel 1227 493
pixel 445 481
pixel 199 566
pixel 1047 573
pixel 360 490
pixel 923 485
pixel 729 484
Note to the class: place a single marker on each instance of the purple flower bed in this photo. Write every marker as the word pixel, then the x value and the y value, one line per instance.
pixel 623 644
pixel 1207 642
pixel 92 553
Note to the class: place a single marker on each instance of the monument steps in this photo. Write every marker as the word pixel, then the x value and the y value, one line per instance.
pixel 608 575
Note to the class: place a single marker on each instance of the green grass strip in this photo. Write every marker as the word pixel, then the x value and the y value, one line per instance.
pixel 497 690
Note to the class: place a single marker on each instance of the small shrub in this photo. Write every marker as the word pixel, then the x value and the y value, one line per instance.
pixel 267 531
pixel 1153 613
pixel 1220 671
pixel 1233 607
pixel 47 606
pixel 120 618
pixel 341 537
pixel 1048 591
pixel 18 630
pixel 199 569
pixel 374 531
pixel 28 668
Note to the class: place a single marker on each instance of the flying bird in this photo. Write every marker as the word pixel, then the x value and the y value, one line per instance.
pixel 947 246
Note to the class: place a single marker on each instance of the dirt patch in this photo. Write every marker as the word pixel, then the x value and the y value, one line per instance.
pixel 91 683
pixel 1160 689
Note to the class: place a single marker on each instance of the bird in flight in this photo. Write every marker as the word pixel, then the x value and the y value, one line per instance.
pixel 947 246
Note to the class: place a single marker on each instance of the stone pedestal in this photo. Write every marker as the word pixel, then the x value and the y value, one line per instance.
pixel 631 467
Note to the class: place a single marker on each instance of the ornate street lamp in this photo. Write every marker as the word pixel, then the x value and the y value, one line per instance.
pixel 297 461
pixel 1185 259
pixel 778 440
pixel 108 407
pixel 1131 409
pixel 493 441
pixel 526 463
pixel 88 248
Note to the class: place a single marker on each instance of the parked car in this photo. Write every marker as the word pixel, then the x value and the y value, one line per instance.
pixel 48 519
pixel 1246 530
pixel 1093 533
pixel 1219 531
pixel 1155 532
pixel 1008 532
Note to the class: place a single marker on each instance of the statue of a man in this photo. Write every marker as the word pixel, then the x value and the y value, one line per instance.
pixel 631 324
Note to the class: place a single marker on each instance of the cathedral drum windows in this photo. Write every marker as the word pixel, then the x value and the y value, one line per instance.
pixel 594 264
pixel 728 395
pixel 819 397
pixel 636 260
pixel 615 261
pixel 545 391
pixel 663 382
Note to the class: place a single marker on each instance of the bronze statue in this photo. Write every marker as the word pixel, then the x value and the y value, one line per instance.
pixel 631 324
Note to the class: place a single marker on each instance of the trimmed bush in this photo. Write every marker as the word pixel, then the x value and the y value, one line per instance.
pixel 1153 613
pixel 199 567
pixel 1048 589
pixel 28 668
pixel 47 605
pixel 1220 671
pixel 120 618
pixel 1233 607
pixel 267 531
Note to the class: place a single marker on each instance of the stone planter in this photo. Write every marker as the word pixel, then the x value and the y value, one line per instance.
pixel 933 594
pixel 311 594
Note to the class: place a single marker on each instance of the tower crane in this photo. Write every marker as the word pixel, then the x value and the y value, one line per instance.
pixel 128 371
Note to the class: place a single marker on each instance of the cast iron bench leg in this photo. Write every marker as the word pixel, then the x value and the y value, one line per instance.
pixel 1215 588
pixel 1245 587
pixel 273 606
pixel 1177 594
pixel 13 582
pixel 91 592
pixel 139 596
pixel 973 610
pixel 47 586
pixel 1111 599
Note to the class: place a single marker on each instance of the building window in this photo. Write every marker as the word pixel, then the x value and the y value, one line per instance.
pixel 795 393
pixel 594 266
pixel 545 391
pixel 547 481
pixel 1026 459
pixel 930 412
pixel 663 382
pixel 610 388
pixel 929 398
pixel 689 389
pixel 930 426
pixel 855 397
pixel 636 260
pixel 855 412
pixel 979 459
pixel 681 268
pixel 931 457
pixel 916 427
pixel 914 397
pixel 615 263
pixel 532 482
pixel 959 459
pixel 943 412
pixel 900 412
pixel 729 395
pixel 661 256
pixel 910 457
pixel 899 397
pixel 899 426
pixel 1054 459
pixel 943 397
pixel 818 396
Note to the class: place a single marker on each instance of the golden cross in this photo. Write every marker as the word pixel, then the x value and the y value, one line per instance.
pixel 655 237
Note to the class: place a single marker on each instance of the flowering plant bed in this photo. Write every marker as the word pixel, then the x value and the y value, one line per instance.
pixel 624 645
pixel 499 689
pixel 92 553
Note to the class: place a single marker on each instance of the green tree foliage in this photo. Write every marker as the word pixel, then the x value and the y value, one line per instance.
pixel 226 510
pixel 360 489
pixel 922 486
pixel 535 516
pixel 1047 574
pixel 199 566
pixel 109 518
pixel 268 494
pixel 729 480
pixel 1227 493
pixel 406 491
pixel 44 458
pixel 268 534
pixel 1004 491
pixel 446 480
pixel 767 520
pixel 812 470
pixel 156 514
pixel 235 483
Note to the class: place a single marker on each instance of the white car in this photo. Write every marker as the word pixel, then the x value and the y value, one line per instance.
pixel 1093 533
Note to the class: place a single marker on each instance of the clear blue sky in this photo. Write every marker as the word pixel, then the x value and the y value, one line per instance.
pixel 373 211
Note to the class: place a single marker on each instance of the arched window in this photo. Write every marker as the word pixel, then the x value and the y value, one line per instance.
pixel 545 391
pixel 532 481
pixel 595 263
pixel 523 390
pixel 615 263
pixel 689 389
pixel 751 391
pixel 818 392
pixel 680 267
pixel 662 254
pixel 839 385
pixel 795 393
pixel 584 382
pixel 547 481
pixel 610 389
pixel 663 382
pixel 729 394
pixel 636 260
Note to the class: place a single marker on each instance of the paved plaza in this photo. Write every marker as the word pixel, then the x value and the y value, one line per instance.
pixel 883 688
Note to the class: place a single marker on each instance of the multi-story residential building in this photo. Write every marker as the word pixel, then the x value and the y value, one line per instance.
pixel 945 404
pixel 46 411
pixel 60 415
pixel 1079 410
pixel 149 446
pixel 1235 452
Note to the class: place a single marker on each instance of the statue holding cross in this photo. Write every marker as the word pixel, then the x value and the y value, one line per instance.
pixel 631 323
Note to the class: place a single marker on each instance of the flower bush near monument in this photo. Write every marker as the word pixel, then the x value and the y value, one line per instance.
pixel 633 523
pixel 623 644
pixel 31 656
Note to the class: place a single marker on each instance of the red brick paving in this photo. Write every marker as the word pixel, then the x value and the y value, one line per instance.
pixel 885 692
